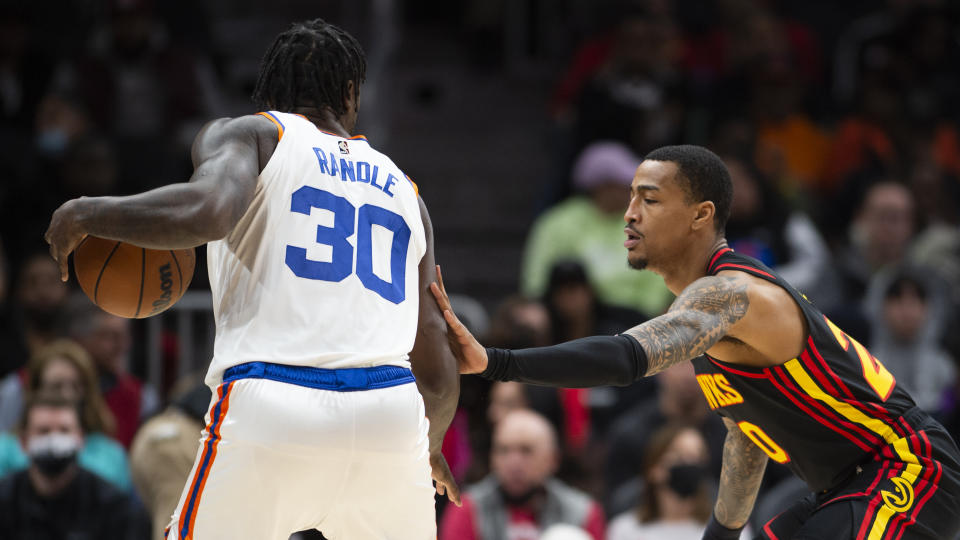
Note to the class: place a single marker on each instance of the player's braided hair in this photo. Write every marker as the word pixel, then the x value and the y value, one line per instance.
pixel 310 64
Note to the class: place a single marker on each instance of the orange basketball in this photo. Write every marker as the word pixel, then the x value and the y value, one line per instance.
pixel 131 281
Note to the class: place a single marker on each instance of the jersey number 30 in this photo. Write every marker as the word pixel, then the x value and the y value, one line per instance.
pixel 346 221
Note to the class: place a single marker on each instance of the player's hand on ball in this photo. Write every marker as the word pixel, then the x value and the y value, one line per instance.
pixel 64 234
pixel 471 356
pixel 440 472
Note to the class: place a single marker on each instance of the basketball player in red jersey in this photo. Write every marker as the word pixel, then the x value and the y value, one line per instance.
pixel 789 384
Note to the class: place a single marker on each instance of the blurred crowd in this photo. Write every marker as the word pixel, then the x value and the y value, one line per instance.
pixel 842 136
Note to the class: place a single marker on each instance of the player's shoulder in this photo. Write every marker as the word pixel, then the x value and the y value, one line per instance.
pixel 238 126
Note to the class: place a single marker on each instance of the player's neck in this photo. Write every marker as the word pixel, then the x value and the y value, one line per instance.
pixel 692 265
pixel 324 119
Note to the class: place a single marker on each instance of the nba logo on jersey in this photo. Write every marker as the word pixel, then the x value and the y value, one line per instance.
pixel 344 149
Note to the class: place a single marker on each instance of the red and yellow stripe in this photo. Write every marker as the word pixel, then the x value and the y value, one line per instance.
pixel 886 508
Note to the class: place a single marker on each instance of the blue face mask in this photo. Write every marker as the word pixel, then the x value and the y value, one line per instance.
pixel 53 453
pixel 52 142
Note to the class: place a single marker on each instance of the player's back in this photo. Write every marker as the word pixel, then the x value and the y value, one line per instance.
pixel 322 269
pixel 834 399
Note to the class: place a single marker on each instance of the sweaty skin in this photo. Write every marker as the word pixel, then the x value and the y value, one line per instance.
pixel 732 316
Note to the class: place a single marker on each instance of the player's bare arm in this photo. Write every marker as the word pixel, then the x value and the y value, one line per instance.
pixel 228 155
pixel 702 315
pixel 740 477
pixel 435 367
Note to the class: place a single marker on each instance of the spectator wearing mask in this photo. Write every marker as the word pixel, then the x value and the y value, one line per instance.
pixel 107 338
pixel 55 498
pixel 679 400
pixel 589 228
pixel 676 502
pixel 908 323
pixel 521 499
pixel 64 369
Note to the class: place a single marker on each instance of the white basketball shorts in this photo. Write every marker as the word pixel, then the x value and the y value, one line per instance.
pixel 292 448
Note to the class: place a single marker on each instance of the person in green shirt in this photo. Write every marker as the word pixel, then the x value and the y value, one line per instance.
pixel 589 228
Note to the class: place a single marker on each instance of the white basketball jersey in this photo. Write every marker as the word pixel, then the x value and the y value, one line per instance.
pixel 322 269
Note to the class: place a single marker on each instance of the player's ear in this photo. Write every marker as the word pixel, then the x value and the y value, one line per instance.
pixel 350 103
pixel 704 215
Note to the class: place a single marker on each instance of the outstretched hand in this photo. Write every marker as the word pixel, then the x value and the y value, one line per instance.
pixel 64 235
pixel 440 472
pixel 471 356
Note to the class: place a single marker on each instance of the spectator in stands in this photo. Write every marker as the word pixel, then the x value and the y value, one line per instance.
pixel 908 319
pixel 589 228
pixel 521 498
pixel 164 450
pixel 763 226
pixel 505 397
pixel 65 370
pixel 107 339
pixel 879 237
pixel 679 400
pixel 576 312
pixel 138 87
pixel 39 296
pixel 676 498
pixel 517 321
pixel 55 499
pixel 636 94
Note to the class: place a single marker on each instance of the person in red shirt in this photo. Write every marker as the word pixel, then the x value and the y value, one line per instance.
pixel 520 499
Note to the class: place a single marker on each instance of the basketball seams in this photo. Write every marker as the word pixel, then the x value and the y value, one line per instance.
pixel 143 272
pixel 96 288
pixel 107 272
pixel 179 274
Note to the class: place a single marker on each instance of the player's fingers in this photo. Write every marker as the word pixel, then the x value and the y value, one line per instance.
pixel 458 328
pixel 440 296
pixel 64 268
pixel 440 280
pixel 453 493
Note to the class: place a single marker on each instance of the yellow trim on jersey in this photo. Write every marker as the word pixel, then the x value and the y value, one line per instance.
pixel 904 481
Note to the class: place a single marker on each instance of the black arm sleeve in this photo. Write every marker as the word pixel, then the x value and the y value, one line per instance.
pixel 593 361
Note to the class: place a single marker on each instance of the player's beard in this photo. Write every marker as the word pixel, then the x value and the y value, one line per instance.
pixel 638 263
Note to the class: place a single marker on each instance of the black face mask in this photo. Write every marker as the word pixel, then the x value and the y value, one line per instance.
pixel 51 465
pixel 53 454
pixel 685 479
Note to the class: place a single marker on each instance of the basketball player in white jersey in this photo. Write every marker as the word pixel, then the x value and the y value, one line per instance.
pixel 320 256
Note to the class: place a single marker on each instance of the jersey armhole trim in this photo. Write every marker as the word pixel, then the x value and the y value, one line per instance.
pixel 414 184
pixel 269 116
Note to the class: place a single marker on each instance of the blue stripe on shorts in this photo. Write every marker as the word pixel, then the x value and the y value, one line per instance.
pixel 338 380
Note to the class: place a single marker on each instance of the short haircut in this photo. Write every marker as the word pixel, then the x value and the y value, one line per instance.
pixel 705 177
pixel 310 65
pixel 52 401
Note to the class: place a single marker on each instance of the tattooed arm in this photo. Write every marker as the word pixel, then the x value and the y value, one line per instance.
pixel 743 466
pixel 702 314
pixel 698 318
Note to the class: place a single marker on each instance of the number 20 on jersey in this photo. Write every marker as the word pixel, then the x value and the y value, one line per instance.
pixel 346 220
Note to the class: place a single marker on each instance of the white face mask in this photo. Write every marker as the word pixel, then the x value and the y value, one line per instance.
pixel 53 453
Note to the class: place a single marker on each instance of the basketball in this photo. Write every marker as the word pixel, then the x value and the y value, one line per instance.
pixel 131 281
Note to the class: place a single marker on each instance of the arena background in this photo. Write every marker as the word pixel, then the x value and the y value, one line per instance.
pixel 487 104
